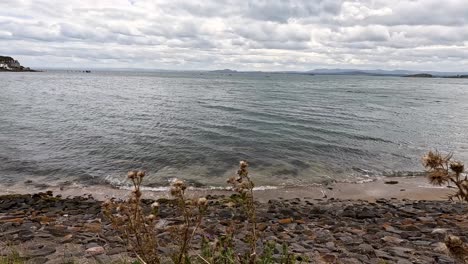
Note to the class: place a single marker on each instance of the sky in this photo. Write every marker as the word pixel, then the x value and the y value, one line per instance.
pixel 242 35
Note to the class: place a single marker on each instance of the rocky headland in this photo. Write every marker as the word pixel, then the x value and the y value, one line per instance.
pixel 43 228
pixel 11 65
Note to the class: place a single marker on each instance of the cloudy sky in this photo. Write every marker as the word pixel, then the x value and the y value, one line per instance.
pixel 237 34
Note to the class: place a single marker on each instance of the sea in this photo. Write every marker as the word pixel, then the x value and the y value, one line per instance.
pixel 73 127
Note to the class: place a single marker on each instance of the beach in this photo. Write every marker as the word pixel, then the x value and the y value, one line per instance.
pixel 413 188
pixel 356 223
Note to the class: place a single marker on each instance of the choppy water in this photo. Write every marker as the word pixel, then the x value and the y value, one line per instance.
pixel 293 129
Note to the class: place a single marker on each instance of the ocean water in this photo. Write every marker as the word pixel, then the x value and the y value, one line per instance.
pixel 92 128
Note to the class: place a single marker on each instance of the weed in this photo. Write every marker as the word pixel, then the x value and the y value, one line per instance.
pixel 442 169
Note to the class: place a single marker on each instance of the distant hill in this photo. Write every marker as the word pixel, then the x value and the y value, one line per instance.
pixel 225 71
pixel 420 75
pixel 379 72
pixel 12 65
pixel 359 72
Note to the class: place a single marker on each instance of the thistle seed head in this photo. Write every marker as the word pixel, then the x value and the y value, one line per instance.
pixel 141 174
pixel 438 176
pixel 151 217
pixel 243 164
pixel 432 160
pixel 131 174
pixel 175 191
pixel 202 201
pixel 457 167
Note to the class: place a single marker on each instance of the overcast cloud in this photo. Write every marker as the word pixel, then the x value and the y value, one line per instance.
pixel 243 34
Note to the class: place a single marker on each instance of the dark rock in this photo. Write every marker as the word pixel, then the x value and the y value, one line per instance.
pixel 37 260
pixel 40 251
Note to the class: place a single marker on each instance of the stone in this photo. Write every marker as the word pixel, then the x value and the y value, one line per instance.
pixel 39 251
pixel 57 230
pixel 285 221
pixel 366 248
pixel 262 227
pixel 116 250
pixel 93 251
pixel 92 227
pixel 392 239
pixel 67 239
pixel 37 260
pixel 400 251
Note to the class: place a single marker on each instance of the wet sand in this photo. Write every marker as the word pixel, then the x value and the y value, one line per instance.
pixel 413 188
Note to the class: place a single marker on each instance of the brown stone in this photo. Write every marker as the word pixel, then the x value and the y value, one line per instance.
pixel 285 221
pixel 92 227
pixel 262 226
pixel 12 220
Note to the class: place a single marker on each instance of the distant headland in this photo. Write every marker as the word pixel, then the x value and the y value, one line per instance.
pixel 359 72
pixel 11 65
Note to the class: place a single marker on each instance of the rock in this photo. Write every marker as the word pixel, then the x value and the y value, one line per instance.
pixel 365 249
pixel 400 251
pixel 116 250
pixel 329 258
pixel 67 239
pixel 365 213
pixel 37 260
pixel 57 230
pixel 404 261
pixel 391 182
pixel 39 251
pixel 285 221
pixel 384 255
pixel 262 226
pixel 441 231
pixel 92 245
pixel 392 239
pixel 92 227
pixel 95 251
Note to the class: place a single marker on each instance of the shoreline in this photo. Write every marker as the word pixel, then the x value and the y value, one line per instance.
pixel 412 188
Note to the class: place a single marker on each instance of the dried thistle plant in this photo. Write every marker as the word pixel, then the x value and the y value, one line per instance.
pixel 244 186
pixel 192 211
pixel 457 248
pixel 129 219
pixel 443 170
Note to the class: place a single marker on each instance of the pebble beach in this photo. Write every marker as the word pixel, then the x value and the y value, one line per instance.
pixel 52 228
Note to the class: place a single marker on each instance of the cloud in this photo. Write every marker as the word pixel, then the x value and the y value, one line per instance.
pixel 250 35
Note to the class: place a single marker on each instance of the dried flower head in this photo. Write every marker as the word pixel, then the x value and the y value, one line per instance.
pixel 141 174
pixel 232 180
pixel 202 201
pixel 151 217
pixel 179 184
pixel 438 176
pixel 175 191
pixel 137 193
pixel 131 174
pixel 457 167
pixel 432 160
pixel 453 241
pixel 107 203
pixel 243 164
